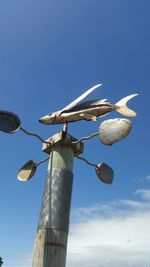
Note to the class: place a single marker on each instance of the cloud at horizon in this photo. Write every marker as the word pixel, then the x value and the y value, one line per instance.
pixel 111 234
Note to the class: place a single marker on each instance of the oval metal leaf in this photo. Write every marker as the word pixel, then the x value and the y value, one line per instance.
pixel 114 130
pixel 9 121
pixel 27 171
pixel 104 173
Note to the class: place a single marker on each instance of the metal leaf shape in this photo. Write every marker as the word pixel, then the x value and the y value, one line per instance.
pixel 27 171
pixel 114 130
pixel 9 122
pixel 105 173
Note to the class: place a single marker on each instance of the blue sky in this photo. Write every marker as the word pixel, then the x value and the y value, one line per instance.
pixel 50 53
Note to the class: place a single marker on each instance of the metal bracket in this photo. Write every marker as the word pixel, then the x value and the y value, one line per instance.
pixel 64 139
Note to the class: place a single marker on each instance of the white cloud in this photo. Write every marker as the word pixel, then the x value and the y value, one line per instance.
pixel 145 193
pixel 145 179
pixel 112 234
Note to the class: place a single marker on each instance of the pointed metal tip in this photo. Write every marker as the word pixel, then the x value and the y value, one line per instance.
pixel 40 120
pixel 44 119
pixel 98 85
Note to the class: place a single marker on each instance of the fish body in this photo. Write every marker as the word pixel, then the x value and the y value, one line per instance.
pixel 72 116
pixel 87 110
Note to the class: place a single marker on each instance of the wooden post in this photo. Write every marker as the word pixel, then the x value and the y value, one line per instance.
pixel 50 246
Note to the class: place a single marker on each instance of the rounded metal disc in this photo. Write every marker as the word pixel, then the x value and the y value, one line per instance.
pixel 27 171
pixel 104 173
pixel 114 130
pixel 9 121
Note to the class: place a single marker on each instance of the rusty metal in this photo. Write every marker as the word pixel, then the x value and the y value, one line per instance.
pixel 54 244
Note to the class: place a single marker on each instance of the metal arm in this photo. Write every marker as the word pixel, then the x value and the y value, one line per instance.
pixel 88 162
pixel 42 161
pixel 86 138
pixel 35 135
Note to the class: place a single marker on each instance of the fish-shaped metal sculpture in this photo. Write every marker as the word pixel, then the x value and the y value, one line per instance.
pixel 88 110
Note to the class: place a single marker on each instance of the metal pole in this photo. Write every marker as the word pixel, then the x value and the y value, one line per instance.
pixel 51 239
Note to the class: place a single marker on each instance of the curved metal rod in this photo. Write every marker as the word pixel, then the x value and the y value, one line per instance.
pixel 85 138
pixel 42 161
pixel 33 134
pixel 88 162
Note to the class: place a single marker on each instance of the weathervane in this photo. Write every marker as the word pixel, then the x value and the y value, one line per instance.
pixel 88 110
pixel 61 149
pixel 110 131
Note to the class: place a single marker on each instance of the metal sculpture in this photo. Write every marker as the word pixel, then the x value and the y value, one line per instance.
pixel 88 110
pixel 52 233
pixel 110 131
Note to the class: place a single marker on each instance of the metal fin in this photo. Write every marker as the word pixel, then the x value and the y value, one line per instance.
pixel 122 107
pixel 88 117
pixel 86 105
pixel 101 116
pixel 81 97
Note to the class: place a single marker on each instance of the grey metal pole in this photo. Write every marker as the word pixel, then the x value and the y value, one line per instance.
pixel 50 246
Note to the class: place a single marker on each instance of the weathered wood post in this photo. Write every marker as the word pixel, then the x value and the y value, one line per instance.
pixel 50 246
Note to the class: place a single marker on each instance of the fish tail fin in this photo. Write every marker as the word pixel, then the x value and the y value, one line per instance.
pixel 122 107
